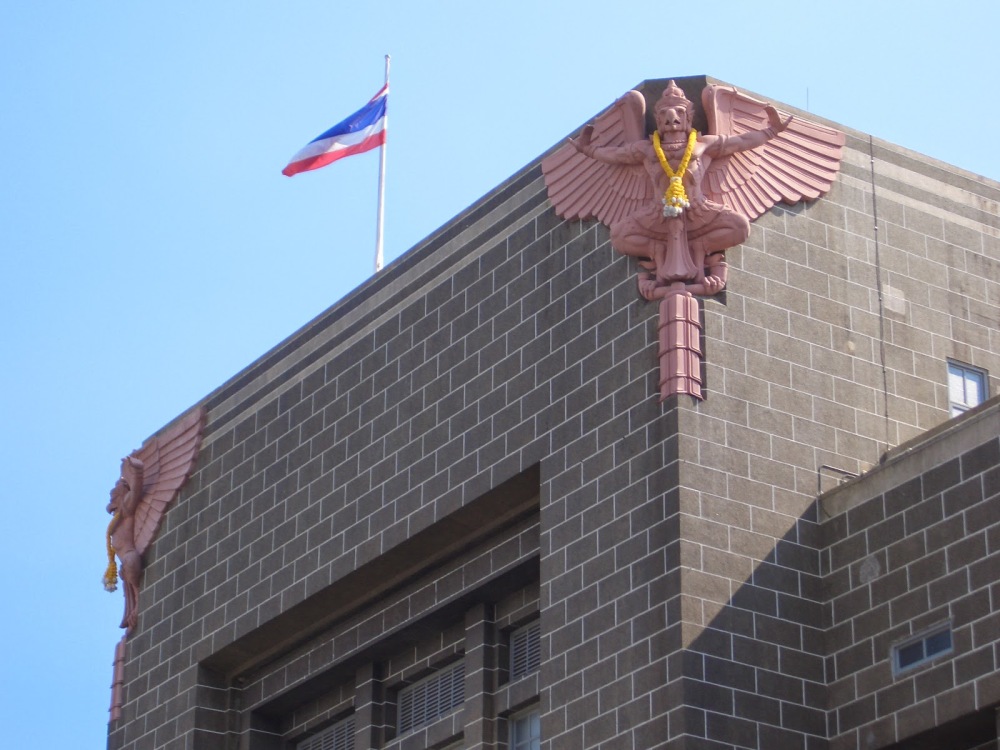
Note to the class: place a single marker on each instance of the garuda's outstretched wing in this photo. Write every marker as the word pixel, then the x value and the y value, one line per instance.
pixel 168 459
pixel 799 164
pixel 584 188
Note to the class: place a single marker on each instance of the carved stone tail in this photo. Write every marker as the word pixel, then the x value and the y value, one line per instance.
pixel 118 681
pixel 680 346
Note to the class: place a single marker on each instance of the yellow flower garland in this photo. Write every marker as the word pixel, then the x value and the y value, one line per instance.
pixel 675 199
pixel 111 573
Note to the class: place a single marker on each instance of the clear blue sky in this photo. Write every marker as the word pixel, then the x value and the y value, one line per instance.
pixel 151 248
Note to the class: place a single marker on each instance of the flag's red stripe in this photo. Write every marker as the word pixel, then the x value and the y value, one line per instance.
pixel 315 162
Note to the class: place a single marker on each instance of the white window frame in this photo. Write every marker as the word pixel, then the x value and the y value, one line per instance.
pixel 968 387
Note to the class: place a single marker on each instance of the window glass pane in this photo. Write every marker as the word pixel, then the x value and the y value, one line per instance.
pixel 526 732
pixel 973 388
pixel 911 654
pixel 956 385
pixel 939 642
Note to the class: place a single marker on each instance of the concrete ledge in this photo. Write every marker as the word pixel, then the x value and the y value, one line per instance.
pixel 911 459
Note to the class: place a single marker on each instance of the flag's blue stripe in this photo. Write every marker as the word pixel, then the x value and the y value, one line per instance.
pixel 364 117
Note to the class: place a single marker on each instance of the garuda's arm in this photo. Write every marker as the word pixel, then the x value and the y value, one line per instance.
pixel 597 176
pixel 628 153
pixel 723 145
pixel 759 164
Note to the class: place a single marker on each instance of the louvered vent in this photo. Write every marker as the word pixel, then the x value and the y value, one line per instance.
pixel 339 736
pixel 434 696
pixel 525 650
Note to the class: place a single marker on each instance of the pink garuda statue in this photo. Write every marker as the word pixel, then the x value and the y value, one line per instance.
pixel 677 199
pixel 151 477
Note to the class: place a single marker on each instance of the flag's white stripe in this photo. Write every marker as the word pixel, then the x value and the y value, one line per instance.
pixel 337 142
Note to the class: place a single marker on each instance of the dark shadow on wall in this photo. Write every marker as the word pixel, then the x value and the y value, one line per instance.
pixel 799 654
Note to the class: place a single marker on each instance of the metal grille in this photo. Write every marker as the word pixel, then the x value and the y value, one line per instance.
pixel 525 650
pixel 434 696
pixel 339 736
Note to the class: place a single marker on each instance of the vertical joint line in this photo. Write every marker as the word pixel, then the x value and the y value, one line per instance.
pixel 881 300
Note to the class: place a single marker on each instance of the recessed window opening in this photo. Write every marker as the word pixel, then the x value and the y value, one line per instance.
pixel 913 653
pixel 966 387
pixel 434 696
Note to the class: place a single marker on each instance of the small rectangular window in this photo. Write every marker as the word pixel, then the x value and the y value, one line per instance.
pixel 526 731
pixel 921 650
pixel 339 736
pixel 966 387
pixel 434 696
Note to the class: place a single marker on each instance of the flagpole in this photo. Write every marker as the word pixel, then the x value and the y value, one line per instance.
pixel 381 183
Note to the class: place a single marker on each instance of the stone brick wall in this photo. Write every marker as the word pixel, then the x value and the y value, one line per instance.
pixel 510 341
pixel 795 382
pixel 481 418
pixel 918 548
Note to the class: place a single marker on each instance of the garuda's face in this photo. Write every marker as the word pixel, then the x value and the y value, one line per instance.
pixel 672 119
pixel 117 493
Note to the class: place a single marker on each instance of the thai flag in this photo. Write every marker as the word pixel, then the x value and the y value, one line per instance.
pixel 362 131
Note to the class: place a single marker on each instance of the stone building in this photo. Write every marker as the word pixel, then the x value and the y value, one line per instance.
pixel 451 512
